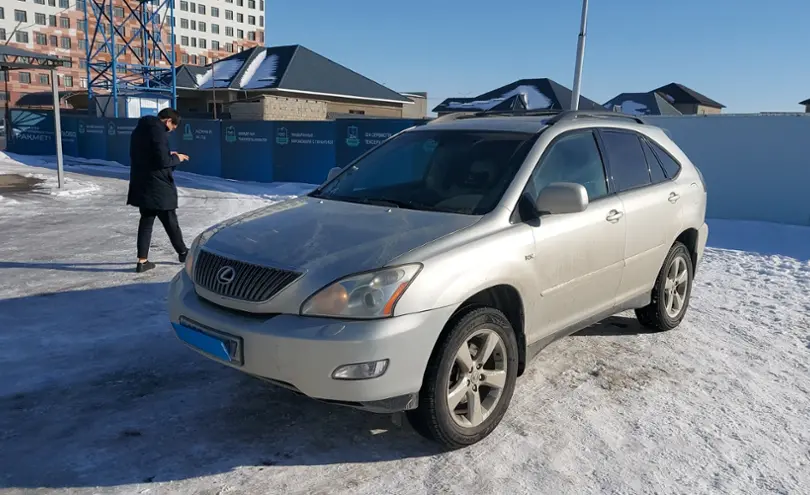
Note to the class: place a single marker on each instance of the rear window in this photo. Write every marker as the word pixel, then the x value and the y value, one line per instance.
pixel 453 171
pixel 628 166
pixel 671 167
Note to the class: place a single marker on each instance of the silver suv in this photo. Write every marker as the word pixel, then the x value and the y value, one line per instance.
pixel 426 274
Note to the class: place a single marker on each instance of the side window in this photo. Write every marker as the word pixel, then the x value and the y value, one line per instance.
pixel 573 158
pixel 671 167
pixel 656 172
pixel 626 159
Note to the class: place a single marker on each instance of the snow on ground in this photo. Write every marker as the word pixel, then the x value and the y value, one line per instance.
pixel 98 396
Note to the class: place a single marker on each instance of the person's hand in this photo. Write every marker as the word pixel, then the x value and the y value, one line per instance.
pixel 180 156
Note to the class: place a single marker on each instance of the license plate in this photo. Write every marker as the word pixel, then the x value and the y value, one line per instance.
pixel 218 345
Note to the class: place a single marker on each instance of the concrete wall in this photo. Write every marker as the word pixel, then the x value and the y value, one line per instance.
pixel 416 111
pixel 756 167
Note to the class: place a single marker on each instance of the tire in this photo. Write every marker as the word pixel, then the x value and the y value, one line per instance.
pixel 459 427
pixel 659 315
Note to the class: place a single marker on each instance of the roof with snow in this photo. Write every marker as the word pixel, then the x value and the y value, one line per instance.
pixel 525 94
pixel 293 68
pixel 641 104
pixel 678 93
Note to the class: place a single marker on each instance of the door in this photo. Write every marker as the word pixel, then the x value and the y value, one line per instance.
pixel 650 207
pixel 579 257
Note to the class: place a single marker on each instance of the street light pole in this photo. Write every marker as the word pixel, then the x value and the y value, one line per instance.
pixel 580 56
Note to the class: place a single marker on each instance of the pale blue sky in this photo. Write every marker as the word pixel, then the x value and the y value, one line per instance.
pixel 749 55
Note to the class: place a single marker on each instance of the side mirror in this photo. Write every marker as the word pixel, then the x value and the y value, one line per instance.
pixel 333 173
pixel 562 197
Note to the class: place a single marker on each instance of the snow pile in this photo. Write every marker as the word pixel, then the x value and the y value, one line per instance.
pixel 221 73
pixel 71 188
pixel 534 99
pixel 633 108
pixel 5 202
pixel 265 74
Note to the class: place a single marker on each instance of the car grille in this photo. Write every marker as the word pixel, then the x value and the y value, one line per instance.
pixel 252 283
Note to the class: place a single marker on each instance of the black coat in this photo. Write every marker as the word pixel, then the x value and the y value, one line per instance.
pixel 151 183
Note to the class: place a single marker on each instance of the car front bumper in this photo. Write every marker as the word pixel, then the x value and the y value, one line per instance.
pixel 301 353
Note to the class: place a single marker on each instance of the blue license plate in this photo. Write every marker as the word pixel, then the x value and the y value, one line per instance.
pixel 217 345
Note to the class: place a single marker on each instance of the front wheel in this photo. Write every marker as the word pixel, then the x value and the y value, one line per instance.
pixel 469 380
pixel 671 292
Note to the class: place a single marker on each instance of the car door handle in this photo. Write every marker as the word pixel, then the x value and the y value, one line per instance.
pixel 614 216
pixel 674 197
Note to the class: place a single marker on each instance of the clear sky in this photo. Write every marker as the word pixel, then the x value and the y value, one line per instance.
pixel 750 55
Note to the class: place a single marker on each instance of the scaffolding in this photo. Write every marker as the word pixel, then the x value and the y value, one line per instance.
pixel 129 50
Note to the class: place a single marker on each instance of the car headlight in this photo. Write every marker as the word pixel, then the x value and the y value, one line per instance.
pixel 365 295
pixel 191 256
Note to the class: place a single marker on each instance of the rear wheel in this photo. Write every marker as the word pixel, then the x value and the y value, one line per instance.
pixel 670 295
pixel 469 381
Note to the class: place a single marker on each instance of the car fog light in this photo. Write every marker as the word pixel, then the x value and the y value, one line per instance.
pixel 361 371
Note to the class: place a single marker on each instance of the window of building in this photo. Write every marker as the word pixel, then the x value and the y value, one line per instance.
pixel 40 19
pixel 215 28
pixel 261 21
pixel 52 20
pixel 81 25
pixel 194 42
pixel 184 23
pixel 68 64
pixel 240 17
pixel 201 9
pixel 214 45
pixel 228 1
pixel 2 34
pixel 41 39
pixel 83 82
pixel 626 159
pixel 229 47
pixel 240 48
pixel 358 112
pixel 193 25
pixel 203 60
pixel 184 6
pixel 83 64
pixel 240 3
pixel 80 5
pixel 252 4
pixel 184 58
pixel 193 8
pixel 229 15
pixel 67 81
pixel 240 34
pixel 203 43
pixel 64 22
pixel 65 43
pixel 20 16
pixel 25 77
pixel 2 13
pixel 39 2
pixel 184 41
pixel 44 79
pixel 118 11
pixel 52 3
pixel 228 31
pixel 54 40
pixel 261 5
pixel 21 36
pixel 572 158
pixel 3 78
pixel 82 44
pixel 252 20
pixel 194 59
pixel 64 4
pixel 214 12
pixel 201 27
pixel 251 36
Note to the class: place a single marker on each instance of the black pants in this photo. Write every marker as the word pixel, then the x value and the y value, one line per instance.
pixel 169 220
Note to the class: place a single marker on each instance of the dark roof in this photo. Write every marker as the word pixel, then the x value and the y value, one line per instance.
pixel 12 57
pixel 540 94
pixel 187 76
pixel 642 104
pixel 678 93
pixel 45 98
pixel 805 102
pixel 293 68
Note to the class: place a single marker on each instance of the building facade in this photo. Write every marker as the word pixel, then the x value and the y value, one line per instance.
pixel 204 30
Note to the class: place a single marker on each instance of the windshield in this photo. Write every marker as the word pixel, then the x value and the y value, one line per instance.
pixel 453 171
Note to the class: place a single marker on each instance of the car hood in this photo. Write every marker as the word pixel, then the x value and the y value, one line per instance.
pixel 340 238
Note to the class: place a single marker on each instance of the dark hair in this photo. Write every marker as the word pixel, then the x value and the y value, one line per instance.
pixel 170 114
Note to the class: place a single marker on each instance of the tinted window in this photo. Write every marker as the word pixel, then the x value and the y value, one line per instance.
pixel 626 158
pixel 656 172
pixel 573 158
pixel 456 171
pixel 671 167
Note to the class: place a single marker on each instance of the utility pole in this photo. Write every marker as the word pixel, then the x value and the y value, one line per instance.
pixel 580 56
pixel 214 86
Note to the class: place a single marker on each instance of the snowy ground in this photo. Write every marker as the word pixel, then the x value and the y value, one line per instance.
pixel 98 396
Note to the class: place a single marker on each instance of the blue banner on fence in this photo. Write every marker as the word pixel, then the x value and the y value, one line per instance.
pixel 355 137
pixel 70 135
pixel 92 138
pixel 118 133
pixel 247 150
pixel 31 133
pixel 303 151
pixel 201 140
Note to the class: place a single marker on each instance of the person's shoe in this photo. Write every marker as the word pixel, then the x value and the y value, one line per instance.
pixel 145 266
pixel 182 257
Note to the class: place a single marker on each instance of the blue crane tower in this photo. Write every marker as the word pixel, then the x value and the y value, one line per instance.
pixel 130 50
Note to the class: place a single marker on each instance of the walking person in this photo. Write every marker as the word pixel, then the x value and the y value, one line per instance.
pixel 151 182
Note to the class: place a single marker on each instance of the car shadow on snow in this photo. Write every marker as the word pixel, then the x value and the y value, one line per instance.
pixel 77 267
pixel 615 326
pixel 99 392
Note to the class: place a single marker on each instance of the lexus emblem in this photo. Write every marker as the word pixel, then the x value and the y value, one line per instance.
pixel 225 275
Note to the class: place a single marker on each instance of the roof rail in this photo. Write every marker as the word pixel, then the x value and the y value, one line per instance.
pixel 575 114
pixel 449 117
